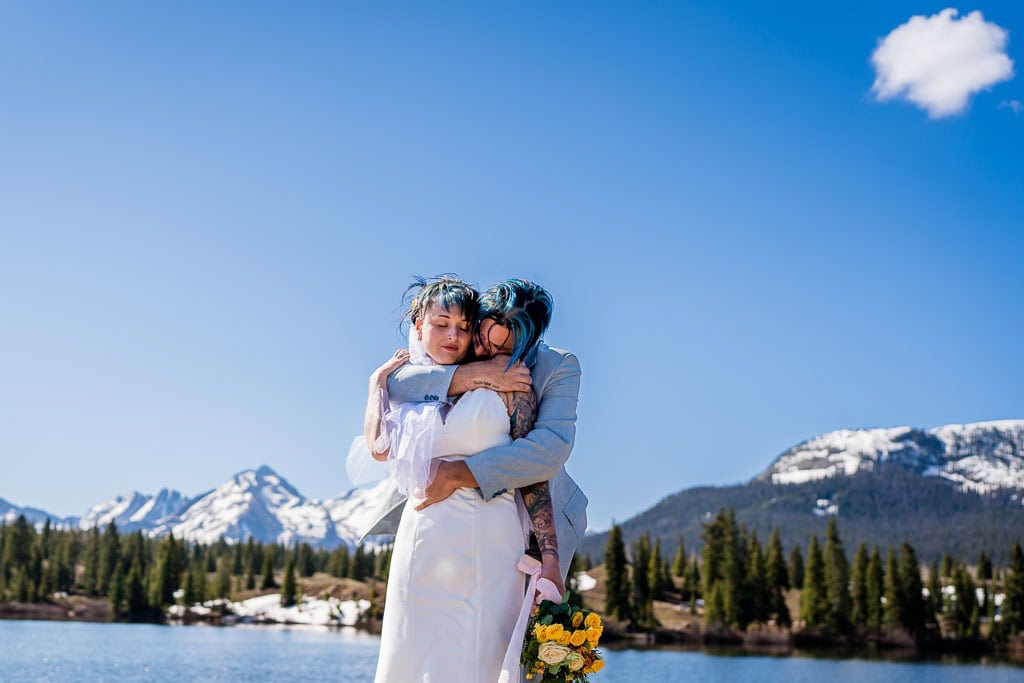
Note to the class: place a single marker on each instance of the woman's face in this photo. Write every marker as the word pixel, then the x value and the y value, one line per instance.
pixel 493 339
pixel 446 335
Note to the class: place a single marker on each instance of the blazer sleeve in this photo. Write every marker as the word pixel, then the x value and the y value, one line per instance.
pixel 415 383
pixel 539 455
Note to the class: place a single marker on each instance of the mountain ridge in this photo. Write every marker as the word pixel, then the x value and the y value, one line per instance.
pixel 256 502
pixel 957 488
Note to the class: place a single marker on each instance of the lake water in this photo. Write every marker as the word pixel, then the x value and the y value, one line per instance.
pixel 72 651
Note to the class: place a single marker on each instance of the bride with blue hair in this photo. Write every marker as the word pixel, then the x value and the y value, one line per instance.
pixel 455 607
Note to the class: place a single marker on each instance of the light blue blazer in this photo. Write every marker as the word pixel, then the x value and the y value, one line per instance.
pixel 539 456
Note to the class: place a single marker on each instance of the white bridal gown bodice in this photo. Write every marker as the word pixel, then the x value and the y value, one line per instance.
pixel 454 588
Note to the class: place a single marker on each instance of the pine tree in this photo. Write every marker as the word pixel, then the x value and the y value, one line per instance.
pixel 837 581
pixel 756 579
pixel 914 611
pixel 984 571
pixel 814 605
pixel 714 609
pixel 117 592
pixel 238 560
pixel 796 567
pixel 963 615
pixel 935 606
pixel 875 589
pixel 338 565
pixel 35 575
pixel 90 577
pixel 859 587
pixel 306 564
pixel 679 563
pixel 656 574
pixel 109 558
pixel 617 589
pixel 195 584
pixel 18 541
pixel 166 575
pixel 775 563
pixel 946 568
pixel 222 583
pixel 715 537
pixel 643 608
pixel 135 592
pixel 777 580
pixel 268 582
pixel 893 592
pixel 289 589
pixel 737 591
pixel 1013 587
pixel 357 567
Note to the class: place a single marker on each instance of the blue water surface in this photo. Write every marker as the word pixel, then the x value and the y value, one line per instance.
pixel 74 651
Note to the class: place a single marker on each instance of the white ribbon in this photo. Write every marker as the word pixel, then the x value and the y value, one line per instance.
pixel 537 589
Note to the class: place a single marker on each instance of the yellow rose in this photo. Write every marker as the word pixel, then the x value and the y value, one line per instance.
pixel 597 665
pixel 541 633
pixel 564 638
pixel 587 671
pixel 577 619
pixel 592 620
pixel 578 638
pixel 555 631
pixel 549 653
pixel 593 635
pixel 574 661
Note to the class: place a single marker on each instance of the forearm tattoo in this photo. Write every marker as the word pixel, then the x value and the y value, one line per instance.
pixel 537 498
pixel 522 411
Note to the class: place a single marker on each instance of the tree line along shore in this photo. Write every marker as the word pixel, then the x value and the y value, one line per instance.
pixel 738 591
pixel 734 591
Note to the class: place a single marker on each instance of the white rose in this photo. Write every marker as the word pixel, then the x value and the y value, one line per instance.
pixel 552 653
pixel 574 660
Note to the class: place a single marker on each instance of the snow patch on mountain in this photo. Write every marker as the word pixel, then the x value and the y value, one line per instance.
pixel 135 511
pixel 979 457
pixel 256 503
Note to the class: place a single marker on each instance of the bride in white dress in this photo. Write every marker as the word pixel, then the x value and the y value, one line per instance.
pixel 455 588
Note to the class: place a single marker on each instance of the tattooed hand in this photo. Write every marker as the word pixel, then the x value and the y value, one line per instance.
pixel 491 374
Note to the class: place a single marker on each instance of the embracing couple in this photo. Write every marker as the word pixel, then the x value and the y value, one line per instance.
pixel 475 421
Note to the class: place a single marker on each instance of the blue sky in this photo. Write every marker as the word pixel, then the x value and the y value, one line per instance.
pixel 208 216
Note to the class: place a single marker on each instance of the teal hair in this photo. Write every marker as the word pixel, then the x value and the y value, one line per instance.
pixel 448 291
pixel 522 306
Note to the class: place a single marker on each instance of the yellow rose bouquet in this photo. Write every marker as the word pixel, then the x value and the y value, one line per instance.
pixel 561 641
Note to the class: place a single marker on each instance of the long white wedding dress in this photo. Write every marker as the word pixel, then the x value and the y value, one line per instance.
pixel 454 587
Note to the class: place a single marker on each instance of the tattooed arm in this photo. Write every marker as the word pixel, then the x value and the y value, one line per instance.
pixel 522 409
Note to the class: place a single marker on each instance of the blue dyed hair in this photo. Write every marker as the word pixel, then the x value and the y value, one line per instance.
pixel 447 290
pixel 520 305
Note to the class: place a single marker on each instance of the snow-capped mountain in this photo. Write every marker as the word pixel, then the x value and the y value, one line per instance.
pixel 135 511
pixel 258 503
pixel 10 512
pixel 352 512
pixel 979 457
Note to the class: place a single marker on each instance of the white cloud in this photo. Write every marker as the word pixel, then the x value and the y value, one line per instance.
pixel 938 62
pixel 1016 106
